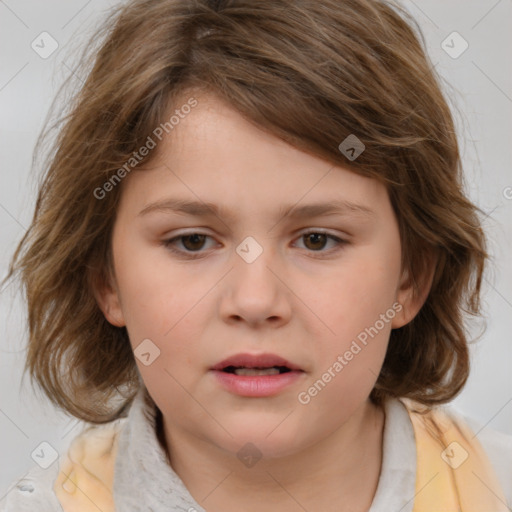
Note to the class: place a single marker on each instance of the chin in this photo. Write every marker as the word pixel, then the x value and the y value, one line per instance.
pixel 260 435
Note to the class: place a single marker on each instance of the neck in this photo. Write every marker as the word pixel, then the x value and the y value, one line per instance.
pixel 342 468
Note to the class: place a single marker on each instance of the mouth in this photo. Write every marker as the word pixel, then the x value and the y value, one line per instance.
pixel 256 375
pixel 254 364
pixel 251 372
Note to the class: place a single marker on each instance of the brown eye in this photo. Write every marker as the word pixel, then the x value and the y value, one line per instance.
pixel 321 243
pixel 315 241
pixel 193 242
pixel 192 245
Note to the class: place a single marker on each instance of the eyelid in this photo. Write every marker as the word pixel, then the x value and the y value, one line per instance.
pixel 296 234
pixel 168 244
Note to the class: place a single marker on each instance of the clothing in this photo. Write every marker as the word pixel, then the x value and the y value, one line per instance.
pixel 127 466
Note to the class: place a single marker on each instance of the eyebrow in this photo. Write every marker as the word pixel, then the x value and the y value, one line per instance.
pixel 206 209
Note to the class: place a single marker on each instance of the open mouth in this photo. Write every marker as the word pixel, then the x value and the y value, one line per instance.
pixel 252 372
pixel 256 375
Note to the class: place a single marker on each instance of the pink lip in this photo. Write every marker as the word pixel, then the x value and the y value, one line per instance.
pixel 255 361
pixel 257 385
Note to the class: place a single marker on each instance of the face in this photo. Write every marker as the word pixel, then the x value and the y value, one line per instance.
pixel 265 271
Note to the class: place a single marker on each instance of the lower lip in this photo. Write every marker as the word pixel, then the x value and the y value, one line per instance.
pixel 257 385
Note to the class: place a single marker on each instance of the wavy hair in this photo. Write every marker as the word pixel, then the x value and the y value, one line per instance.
pixel 309 72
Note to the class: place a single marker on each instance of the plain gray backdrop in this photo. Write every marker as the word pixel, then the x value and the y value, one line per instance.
pixel 480 89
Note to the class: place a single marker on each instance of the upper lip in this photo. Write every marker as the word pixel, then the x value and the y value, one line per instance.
pixel 255 361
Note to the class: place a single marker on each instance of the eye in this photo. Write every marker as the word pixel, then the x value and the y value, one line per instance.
pixel 316 241
pixel 192 243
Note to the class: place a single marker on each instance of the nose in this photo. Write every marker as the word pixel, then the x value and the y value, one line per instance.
pixel 255 291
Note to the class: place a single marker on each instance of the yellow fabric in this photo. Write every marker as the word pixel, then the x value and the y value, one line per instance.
pixel 453 472
pixel 86 477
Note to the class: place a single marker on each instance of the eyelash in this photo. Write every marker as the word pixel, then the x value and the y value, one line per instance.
pixel 168 244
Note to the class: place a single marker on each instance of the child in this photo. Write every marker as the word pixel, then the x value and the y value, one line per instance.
pixel 179 296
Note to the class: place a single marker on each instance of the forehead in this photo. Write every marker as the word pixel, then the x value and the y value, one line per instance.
pixel 214 155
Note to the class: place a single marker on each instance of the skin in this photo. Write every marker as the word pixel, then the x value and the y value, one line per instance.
pixel 303 299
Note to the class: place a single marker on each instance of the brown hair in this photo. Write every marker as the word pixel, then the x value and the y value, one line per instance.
pixel 306 71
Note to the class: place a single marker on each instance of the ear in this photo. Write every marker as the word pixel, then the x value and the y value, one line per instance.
pixel 410 295
pixel 107 297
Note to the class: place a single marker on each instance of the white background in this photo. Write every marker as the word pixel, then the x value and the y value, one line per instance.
pixel 481 87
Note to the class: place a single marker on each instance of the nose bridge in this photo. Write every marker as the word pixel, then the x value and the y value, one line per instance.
pixel 254 292
pixel 252 262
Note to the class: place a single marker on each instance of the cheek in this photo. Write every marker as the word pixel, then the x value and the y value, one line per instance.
pixel 157 294
pixel 355 295
pixel 349 360
pixel 356 303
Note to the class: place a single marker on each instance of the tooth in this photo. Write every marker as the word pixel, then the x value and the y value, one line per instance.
pixel 254 371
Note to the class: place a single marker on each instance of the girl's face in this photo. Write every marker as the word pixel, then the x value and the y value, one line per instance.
pixel 231 273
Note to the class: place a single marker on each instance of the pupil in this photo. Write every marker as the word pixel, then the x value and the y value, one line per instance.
pixel 194 239
pixel 315 237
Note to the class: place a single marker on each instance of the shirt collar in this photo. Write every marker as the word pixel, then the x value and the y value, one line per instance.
pixel 143 479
